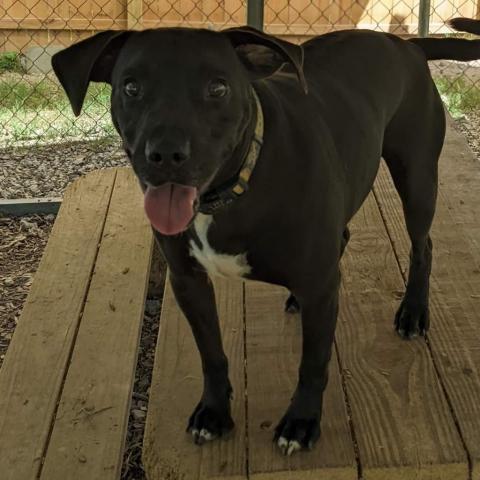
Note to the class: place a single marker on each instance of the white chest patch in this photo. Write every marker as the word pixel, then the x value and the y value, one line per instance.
pixel 214 263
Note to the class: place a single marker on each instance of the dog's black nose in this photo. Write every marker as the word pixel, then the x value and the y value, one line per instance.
pixel 168 151
pixel 167 157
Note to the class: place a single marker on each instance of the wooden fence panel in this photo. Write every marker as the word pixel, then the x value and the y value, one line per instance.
pixel 39 22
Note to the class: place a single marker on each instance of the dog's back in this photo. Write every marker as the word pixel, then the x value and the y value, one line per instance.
pixel 367 90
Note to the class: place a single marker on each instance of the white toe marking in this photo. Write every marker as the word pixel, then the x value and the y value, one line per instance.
pixel 204 433
pixel 282 443
pixel 293 446
pixel 288 446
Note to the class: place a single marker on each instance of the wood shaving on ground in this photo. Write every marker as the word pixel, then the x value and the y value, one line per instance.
pixel 46 170
pixel 22 241
pixel 469 125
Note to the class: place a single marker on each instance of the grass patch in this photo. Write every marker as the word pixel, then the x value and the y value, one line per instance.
pixel 10 62
pixel 36 109
pixel 460 95
pixel 34 93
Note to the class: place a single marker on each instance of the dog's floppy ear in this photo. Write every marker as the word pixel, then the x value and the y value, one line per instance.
pixel 263 54
pixel 92 59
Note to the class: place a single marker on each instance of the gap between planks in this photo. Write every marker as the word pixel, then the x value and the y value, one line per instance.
pixel 39 351
pixel 77 327
pixel 273 353
pixel 394 393
pixel 428 445
pixel 387 408
pixel 57 337
pixel 90 425
pixel 455 281
pixel 269 359
pixel 169 452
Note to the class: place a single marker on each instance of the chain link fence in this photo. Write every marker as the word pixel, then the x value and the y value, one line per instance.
pixel 34 109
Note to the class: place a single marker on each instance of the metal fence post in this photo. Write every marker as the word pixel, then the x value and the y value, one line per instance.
pixel 255 14
pixel 423 18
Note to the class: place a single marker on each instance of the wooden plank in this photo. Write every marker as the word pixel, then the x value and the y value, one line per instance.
pixel 403 424
pixel 455 282
pixel 273 357
pixel 88 437
pixel 32 373
pixel 460 167
pixel 134 14
pixel 169 452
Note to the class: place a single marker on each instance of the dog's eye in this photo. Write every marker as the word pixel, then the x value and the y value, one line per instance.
pixel 131 88
pixel 217 88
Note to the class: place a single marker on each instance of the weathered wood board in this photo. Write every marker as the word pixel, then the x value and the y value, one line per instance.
pixel 271 369
pixel 169 452
pixel 88 436
pixel 272 359
pixel 35 364
pixel 454 337
pixel 67 377
pixel 393 409
pixel 401 418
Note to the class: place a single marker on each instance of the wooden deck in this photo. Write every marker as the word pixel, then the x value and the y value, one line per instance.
pixel 394 410
pixel 67 377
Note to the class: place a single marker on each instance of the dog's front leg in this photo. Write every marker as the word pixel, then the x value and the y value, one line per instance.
pixel 300 426
pixel 195 295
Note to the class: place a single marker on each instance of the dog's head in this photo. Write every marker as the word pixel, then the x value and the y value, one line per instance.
pixel 181 101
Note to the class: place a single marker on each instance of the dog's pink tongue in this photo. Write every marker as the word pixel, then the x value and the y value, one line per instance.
pixel 170 207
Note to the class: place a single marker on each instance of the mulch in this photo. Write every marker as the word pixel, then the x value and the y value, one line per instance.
pixel 22 241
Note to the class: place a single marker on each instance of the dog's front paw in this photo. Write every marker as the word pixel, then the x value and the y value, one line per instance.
pixel 294 434
pixel 411 320
pixel 207 423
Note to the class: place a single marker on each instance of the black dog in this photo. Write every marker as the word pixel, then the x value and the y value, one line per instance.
pixel 254 154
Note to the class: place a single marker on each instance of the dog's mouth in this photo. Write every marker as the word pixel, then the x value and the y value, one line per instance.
pixel 170 207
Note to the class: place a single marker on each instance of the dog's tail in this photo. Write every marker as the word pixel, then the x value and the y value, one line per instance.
pixel 453 48
pixel 468 25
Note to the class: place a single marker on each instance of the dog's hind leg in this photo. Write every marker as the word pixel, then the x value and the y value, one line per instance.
pixel 418 194
pixel 413 166
pixel 292 305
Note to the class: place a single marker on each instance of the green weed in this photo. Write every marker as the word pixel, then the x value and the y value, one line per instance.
pixel 459 94
pixel 36 108
pixel 10 62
